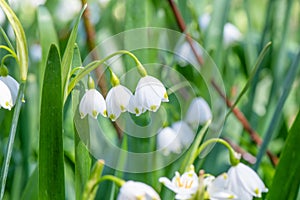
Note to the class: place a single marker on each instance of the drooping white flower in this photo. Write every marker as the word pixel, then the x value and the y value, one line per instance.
pixel 231 34
pixel 10 88
pixel 198 113
pixel 117 101
pixel 185 186
pixel 149 94
pixel 132 190
pixel 185 134
pixel 92 103
pixel 216 188
pixel 134 107
pixel 244 182
pixel 168 141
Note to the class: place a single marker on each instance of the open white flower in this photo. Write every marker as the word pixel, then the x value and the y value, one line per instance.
pixel 9 88
pixel 92 103
pixel 117 101
pixel 231 33
pixel 198 113
pixel 216 188
pixel 149 94
pixel 185 134
pixel 132 190
pixel 168 141
pixel 244 182
pixel 185 186
pixel 134 107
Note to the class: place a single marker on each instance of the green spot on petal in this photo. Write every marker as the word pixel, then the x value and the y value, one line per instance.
pixel 166 96
pixel 153 107
pixel 137 111
pixel 94 113
pixel 122 108
pixel 105 113
pixel 257 191
pixel 112 116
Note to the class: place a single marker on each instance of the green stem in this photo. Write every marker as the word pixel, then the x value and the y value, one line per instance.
pixel 232 154
pixel 113 78
pixel 93 65
pixel 11 139
pixel 10 51
pixel 191 156
pixel 112 178
pixel 22 51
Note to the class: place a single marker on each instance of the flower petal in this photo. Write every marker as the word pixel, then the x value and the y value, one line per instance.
pixel 6 100
pixel 198 113
pixel 168 142
pixel 117 101
pixel 135 190
pixel 13 86
pixel 185 133
pixel 92 103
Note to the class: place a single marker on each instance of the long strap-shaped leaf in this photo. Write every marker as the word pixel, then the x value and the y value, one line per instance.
pixel 287 85
pixel 286 181
pixel 51 163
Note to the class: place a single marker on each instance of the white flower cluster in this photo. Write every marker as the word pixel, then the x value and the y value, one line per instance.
pixel 149 94
pixel 9 88
pixel 180 134
pixel 240 182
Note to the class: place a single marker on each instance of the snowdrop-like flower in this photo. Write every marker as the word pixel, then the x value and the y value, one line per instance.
pixel 185 133
pixel 185 186
pixel 216 188
pixel 149 94
pixel 117 101
pixel 244 182
pixel 92 103
pixel 231 34
pixel 9 88
pixel 168 141
pixel 135 107
pixel 132 190
pixel 198 113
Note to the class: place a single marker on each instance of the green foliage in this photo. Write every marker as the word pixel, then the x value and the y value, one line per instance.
pixel 51 156
pixel 286 181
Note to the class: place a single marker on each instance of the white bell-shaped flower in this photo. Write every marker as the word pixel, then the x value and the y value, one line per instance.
pixel 185 186
pixel 168 141
pixel 134 107
pixel 149 94
pixel 231 34
pixel 132 190
pixel 92 103
pixel 9 92
pixel 185 134
pixel 216 188
pixel 198 113
pixel 117 101
pixel 244 182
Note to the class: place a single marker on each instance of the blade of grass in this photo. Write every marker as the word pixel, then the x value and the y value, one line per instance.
pixel 51 156
pixel 82 156
pixel 287 171
pixel 12 135
pixel 255 68
pixel 68 56
pixel 287 84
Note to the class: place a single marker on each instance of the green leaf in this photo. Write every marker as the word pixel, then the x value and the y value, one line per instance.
pixel 47 33
pixel 31 191
pixel 287 85
pixel 286 181
pixel 51 162
pixel 11 139
pixel 68 55
pixel 82 156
